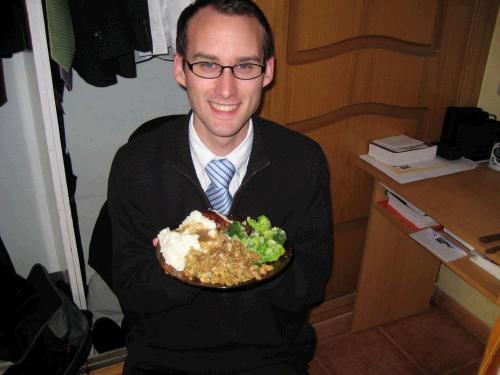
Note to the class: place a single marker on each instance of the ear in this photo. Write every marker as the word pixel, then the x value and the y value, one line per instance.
pixel 269 73
pixel 179 73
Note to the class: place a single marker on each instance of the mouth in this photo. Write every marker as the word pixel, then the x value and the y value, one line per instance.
pixel 224 107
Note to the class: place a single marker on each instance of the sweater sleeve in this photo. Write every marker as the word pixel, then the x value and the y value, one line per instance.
pixel 302 285
pixel 139 282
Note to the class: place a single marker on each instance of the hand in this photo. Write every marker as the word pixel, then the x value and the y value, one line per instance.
pixel 155 242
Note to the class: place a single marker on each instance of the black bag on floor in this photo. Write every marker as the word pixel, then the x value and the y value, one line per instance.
pixel 13 289
pixel 53 334
pixel 469 132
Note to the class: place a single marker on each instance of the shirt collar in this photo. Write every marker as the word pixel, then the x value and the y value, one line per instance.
pixel 239 156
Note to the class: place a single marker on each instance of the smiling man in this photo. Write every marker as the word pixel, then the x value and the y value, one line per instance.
pixel 224 61
pixel 223 68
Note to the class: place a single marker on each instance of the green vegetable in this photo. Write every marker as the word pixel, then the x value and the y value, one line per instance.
pixel 267 241
pixel 237 229
pixel 279 235
pixel 261 225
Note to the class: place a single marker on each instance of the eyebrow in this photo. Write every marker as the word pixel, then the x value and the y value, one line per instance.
pixel 204 56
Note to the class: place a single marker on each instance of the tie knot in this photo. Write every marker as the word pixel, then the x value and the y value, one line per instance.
pixel 220 172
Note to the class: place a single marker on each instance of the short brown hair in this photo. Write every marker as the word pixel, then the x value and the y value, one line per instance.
pixel 230 7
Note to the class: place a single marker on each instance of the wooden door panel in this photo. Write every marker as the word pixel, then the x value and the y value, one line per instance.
pixel 338 21
pixel 326 79
pixel 410 21
pixel 368 76
pixel 388 77
pixel 348 71
pixel 349 236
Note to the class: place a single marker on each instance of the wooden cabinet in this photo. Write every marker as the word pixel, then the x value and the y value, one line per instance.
pixel 466 203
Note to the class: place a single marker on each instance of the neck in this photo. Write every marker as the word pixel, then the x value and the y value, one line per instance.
pixel 221 146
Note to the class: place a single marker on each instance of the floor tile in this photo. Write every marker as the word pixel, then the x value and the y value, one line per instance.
pixel 317 368
pixel 467 370
pixel 435 341
pixel 365 353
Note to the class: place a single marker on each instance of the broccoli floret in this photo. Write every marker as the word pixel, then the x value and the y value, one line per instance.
pixel 270 251
pixel 252 243
pixel 274 233
pixel 265 240
pixel 260 225
pixel 237 229
pixel 278 235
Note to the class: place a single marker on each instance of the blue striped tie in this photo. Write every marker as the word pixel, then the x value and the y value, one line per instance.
pixel 220 172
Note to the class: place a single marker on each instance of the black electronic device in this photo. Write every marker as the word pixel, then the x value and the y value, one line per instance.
pixel 469 132
pixel 448 152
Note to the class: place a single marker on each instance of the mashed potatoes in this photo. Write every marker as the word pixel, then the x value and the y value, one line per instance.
pixel 175 244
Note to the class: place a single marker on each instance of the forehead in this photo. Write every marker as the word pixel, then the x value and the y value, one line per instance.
pixel 224 36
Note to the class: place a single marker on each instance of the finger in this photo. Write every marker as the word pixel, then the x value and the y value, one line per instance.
pixel 155 241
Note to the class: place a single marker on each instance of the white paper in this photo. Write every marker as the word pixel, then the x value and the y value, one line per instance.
pixel 438 245
pixel 421 170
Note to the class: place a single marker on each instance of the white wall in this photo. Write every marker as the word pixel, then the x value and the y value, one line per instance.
pixel 489 97
pixel 27 204
pixel 99 120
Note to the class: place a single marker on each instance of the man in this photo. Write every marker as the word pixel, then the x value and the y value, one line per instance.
pixel 224 59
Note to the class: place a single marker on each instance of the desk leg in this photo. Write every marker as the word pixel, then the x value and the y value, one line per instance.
pixel 397 275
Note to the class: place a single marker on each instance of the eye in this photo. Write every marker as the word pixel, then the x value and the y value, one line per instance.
pixel 208 66
pixel 245 66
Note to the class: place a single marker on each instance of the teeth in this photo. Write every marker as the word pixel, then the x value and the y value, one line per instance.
pixel 224 107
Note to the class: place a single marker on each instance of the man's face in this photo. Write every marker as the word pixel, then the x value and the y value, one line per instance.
pixel 223 106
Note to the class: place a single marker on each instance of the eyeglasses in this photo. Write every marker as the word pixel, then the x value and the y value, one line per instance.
pixel 210 70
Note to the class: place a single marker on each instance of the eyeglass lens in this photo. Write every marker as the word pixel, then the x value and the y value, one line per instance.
pixel 213 70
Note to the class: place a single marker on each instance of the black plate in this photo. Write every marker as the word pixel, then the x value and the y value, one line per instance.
pixel 279 266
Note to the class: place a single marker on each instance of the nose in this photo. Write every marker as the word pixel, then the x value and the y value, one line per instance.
pixel 226 84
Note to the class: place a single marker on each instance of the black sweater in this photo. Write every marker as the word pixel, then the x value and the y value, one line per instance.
pixel 153 185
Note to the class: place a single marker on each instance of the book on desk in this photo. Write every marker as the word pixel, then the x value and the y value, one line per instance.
pixel 401 150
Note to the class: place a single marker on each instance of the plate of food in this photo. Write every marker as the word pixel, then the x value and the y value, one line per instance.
pixel 214 251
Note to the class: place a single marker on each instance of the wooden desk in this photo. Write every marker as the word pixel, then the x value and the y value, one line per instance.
pixel 397 274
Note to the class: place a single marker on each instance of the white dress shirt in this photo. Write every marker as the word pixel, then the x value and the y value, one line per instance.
pixel 163 16
pixel 201 156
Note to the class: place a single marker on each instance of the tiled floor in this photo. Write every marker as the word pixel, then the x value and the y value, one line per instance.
pixel 427 344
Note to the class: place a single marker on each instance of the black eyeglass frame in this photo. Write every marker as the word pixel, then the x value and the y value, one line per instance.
pixel 222 67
